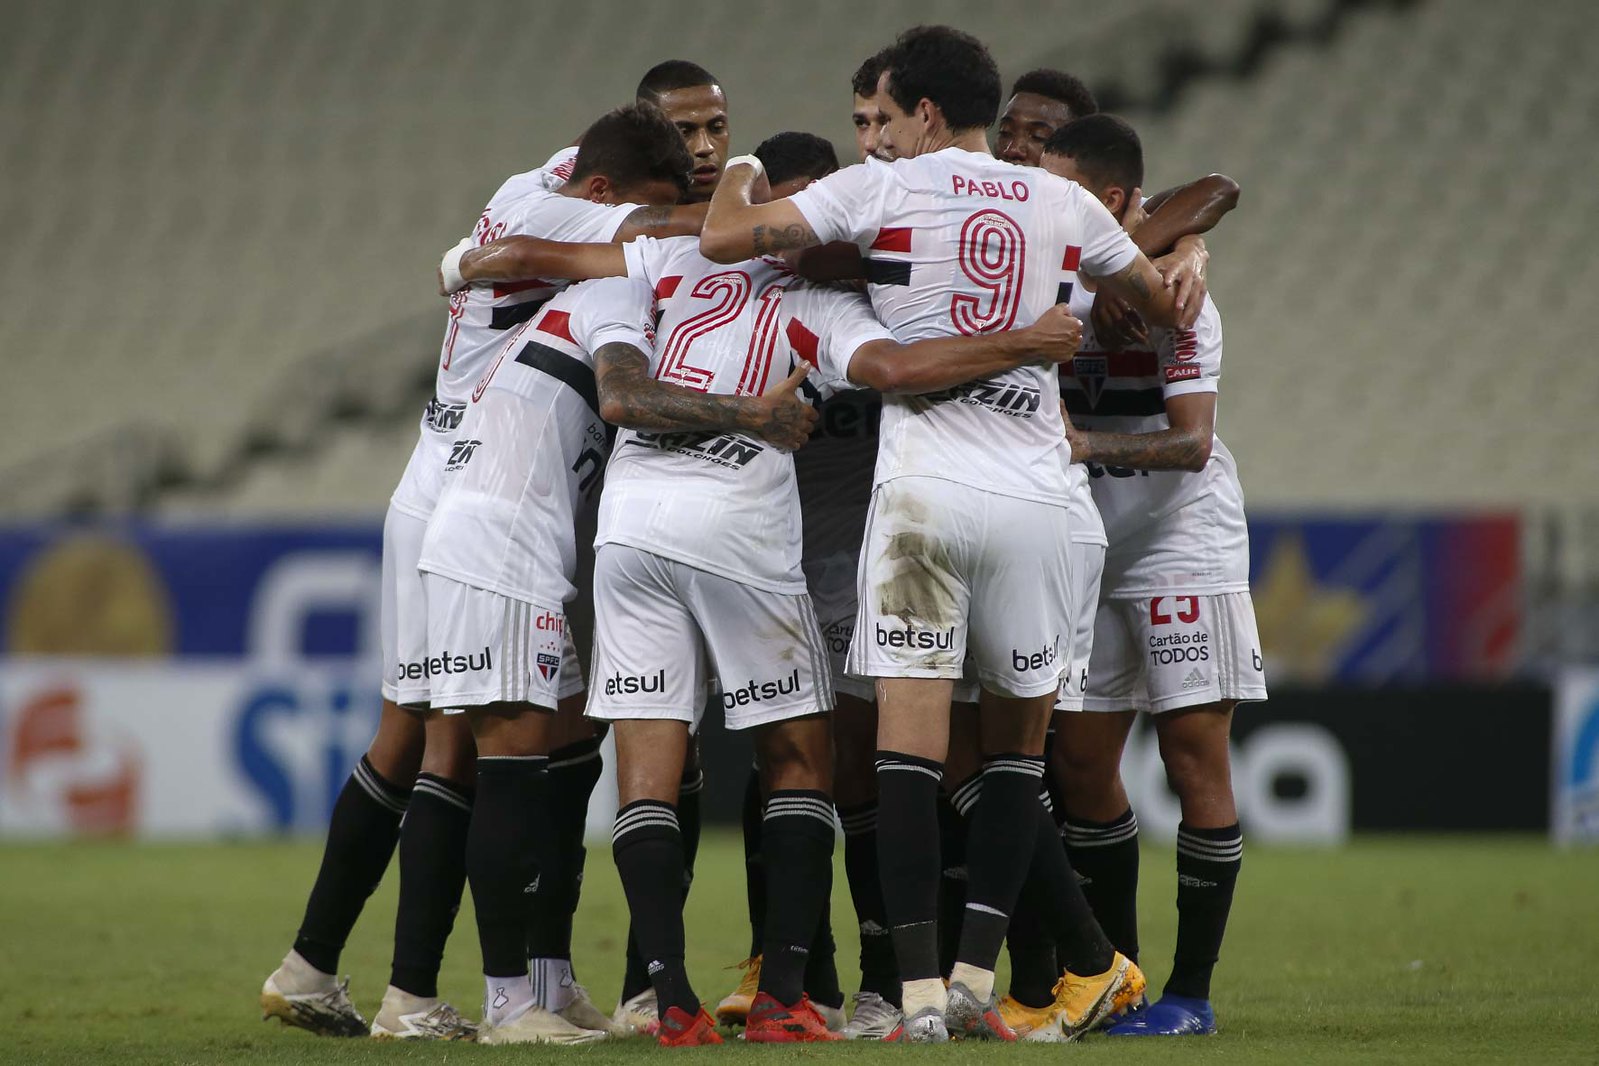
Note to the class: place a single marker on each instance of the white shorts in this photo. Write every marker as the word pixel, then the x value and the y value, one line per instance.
pixel 831 580
pixel 403 618
pixel 949 571
pixel 1174 651
pixel 1088 566
pixel 484 647
pixel 664 631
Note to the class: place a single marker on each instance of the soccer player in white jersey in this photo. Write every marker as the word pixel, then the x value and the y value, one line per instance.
pixel 1176 632
pixel 435 754
pixel 966 546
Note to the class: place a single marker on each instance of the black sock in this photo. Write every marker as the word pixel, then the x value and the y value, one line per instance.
pixel 879 971
pixel 752 814
pixel 1003 824
pixel 1053 890
pixel 635 978
pixel 509 852
pixel 648 846
pixel 361 839
pixel 821 968
pixel 951 881
pixel 689 793
pixel 1207 871
pixel 573 771
pixel 1105 856
pixel 1034 968
pixel 432 875
pixel 798 835
pixel 907 818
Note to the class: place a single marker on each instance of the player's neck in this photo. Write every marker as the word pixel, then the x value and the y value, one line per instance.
pixel 941 137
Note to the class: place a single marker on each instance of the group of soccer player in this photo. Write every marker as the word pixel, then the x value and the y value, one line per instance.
pixel 907 467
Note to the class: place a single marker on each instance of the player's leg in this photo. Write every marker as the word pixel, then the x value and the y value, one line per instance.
pixel 735 1006
pixel 1209 662
pixel 432 878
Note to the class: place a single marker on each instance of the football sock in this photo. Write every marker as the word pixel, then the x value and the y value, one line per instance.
pixel 821 969
pixel 907 819
pixel 1105 856
pixel 506 999
pixel 507 839
pixel 1004 821
pixel 879 972
pixel 798 835
pixel 648 846
pixel 1033 966
pixel 361 838
pixel 432 876
pixel 1207 871
pixel 1053 890
pixel 752 815
pixel 951 880
pixel 554 984
pixel 573 771
pixel 636 978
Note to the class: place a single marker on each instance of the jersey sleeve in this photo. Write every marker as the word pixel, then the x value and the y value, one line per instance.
pixel 566 218
pixel 826 327
pixel 558 168
pixel 1190 359
pixel 846 204
pixel 658 262
pixel 611 310
pixel 1106 246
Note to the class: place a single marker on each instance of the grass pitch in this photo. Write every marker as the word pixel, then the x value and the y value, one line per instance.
pixel 1391 950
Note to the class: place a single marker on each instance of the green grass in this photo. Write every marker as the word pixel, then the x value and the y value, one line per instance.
pixel 1392 950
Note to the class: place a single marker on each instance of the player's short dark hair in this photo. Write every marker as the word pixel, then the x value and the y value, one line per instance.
pixel 864 81
pixel 672 74
pixel 1058 85
pixel 787 156
pixel 633 144
pixel 1105 147
pixel 948 67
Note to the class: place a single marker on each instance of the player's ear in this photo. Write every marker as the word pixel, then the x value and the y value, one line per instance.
pixel 1116 200
pixel 598 188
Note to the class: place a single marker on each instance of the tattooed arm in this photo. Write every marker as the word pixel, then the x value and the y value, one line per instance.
pixel 630 397
pixel 737 229
pixel 1184 446
pixel 1141 285
pixel 680 220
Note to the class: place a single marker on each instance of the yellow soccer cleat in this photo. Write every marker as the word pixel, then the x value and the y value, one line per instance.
pixel 1082 1002
pixel 1033 1024
pixel 735 1007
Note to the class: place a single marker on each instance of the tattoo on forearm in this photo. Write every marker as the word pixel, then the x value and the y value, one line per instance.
pixel 1169 449
pixel 649 218
pixel 623 375
pixel 770 239
pixel 1135 280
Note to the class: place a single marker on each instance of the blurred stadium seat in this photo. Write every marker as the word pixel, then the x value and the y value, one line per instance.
pixel 223 228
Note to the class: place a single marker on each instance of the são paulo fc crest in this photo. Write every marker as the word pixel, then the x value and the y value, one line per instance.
pixel 1091 372
pixel 549 665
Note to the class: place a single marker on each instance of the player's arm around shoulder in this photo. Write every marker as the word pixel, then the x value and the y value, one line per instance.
pixel 943 362
pixel 631 397
pixel 1184 445
pixel 523 258
pixel 738 228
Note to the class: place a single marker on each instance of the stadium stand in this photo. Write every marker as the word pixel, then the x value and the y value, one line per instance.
pixel 229 273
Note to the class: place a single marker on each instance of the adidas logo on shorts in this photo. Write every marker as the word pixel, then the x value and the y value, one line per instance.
pixel 1194 680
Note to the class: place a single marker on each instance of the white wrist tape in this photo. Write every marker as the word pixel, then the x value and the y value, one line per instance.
pixel 748 160
pixel 450 268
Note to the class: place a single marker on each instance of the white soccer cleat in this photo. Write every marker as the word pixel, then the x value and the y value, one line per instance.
pixel 637 1016
pixel 537 1026
pixel 926 1026
pixel 582 1013
pixel 833 1016
pixel 300 995
pixel 874 1019
pixel 406 1017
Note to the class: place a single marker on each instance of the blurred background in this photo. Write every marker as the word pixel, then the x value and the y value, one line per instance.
pixel 219 326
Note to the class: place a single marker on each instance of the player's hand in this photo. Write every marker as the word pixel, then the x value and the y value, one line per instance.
pixel 449 273
pixel 781 417
pixel 761 191
pixel 1116 324
pixel 1056 335
pixel 1183 269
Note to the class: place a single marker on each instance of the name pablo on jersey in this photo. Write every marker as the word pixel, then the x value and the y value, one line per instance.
pixel 1015 190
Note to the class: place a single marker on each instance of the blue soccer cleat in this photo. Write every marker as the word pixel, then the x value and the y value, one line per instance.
pixel 1168 1016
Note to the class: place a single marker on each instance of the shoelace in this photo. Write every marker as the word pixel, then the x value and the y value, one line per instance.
pixel 338 995
pixel 446 1017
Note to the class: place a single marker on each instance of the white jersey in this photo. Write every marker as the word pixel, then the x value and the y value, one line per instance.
pixel 1167 528
pixel 959 242
pixel 721 502
pixel 481 316
pixel 530 446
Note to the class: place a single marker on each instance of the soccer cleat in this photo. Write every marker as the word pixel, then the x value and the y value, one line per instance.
pixel 833 1016
pixel 874 1018
pixel 681 1029
pixel 968 1019
pixel 1080 1002
pixel 1036 1025
pixel 1116 1017
pixel 406 1017
pixel 1168 1016
pixel 735 1006
pixel 637 1016
pixel 926 1026
pixel 299 995
pixel 769 1022
pixel 582 1013
pixel 537 1026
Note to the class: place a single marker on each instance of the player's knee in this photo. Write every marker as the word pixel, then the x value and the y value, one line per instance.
pixel 396 751
pixel 797 755
pixel 1086 773
pixel 451 753
pixel 1196 769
